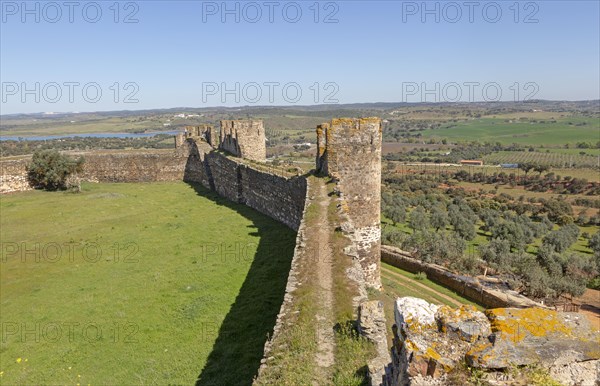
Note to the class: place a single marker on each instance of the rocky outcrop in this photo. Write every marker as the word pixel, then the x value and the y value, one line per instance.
pixel 432 341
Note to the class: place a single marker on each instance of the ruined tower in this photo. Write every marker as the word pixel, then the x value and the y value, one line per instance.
pixel 349 150
pixel 244 138
pixel 206 132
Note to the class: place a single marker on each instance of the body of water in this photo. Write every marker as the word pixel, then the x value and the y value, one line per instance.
pixel 88 135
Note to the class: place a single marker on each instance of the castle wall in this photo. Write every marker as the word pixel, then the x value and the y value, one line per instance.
pixel 206 132
pixel 225 175
pixel 196 169
pixel 281 198
pixel 244 139
pixel 321 147
pixel 117 166
pixel 353 157
pixel 133 167
pixel 294 280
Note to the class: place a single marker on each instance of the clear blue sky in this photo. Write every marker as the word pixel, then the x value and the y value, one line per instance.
pixel 370 54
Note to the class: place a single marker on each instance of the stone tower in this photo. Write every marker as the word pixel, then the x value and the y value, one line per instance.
pixel 204 131
pixel 349 150
pixel 244 138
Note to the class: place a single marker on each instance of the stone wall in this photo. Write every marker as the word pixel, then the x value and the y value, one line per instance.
pixel 244 139
pixel 133 167
pixel 196 169
pixel 281 198
pixel 13 176
pixel 321 147
pixel 117 166
pixel 225 176
pixel 352 156
pixel 466 286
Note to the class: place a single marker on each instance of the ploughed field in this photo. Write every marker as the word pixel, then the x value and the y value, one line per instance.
pixel 161 283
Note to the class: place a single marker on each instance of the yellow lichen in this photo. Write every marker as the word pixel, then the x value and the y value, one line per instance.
pixel 516 324
pixel 431 353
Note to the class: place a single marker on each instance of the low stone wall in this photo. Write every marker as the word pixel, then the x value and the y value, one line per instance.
pixel 466 286
pixel 118 166
pixel 133 167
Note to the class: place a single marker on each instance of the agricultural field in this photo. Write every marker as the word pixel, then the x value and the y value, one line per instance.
pixel 553 159
pixel 137 283
pixel 573 151
pixel 559 131
pixel 402 168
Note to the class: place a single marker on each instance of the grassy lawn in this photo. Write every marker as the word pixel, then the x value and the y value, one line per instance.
pixel 158 283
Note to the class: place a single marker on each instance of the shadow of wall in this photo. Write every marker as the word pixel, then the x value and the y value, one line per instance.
pixel 238 349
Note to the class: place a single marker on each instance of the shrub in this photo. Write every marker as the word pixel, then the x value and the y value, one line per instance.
pixel 51 170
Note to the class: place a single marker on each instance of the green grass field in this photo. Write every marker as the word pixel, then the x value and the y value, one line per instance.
pixel 505 131
pixel 154 284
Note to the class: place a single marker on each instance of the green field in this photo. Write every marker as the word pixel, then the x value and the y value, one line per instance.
pixel 154 284
pixel 505 131
pixel 552 159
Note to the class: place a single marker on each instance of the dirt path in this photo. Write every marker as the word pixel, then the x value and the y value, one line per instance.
pixel 325 334
pixel 421 285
